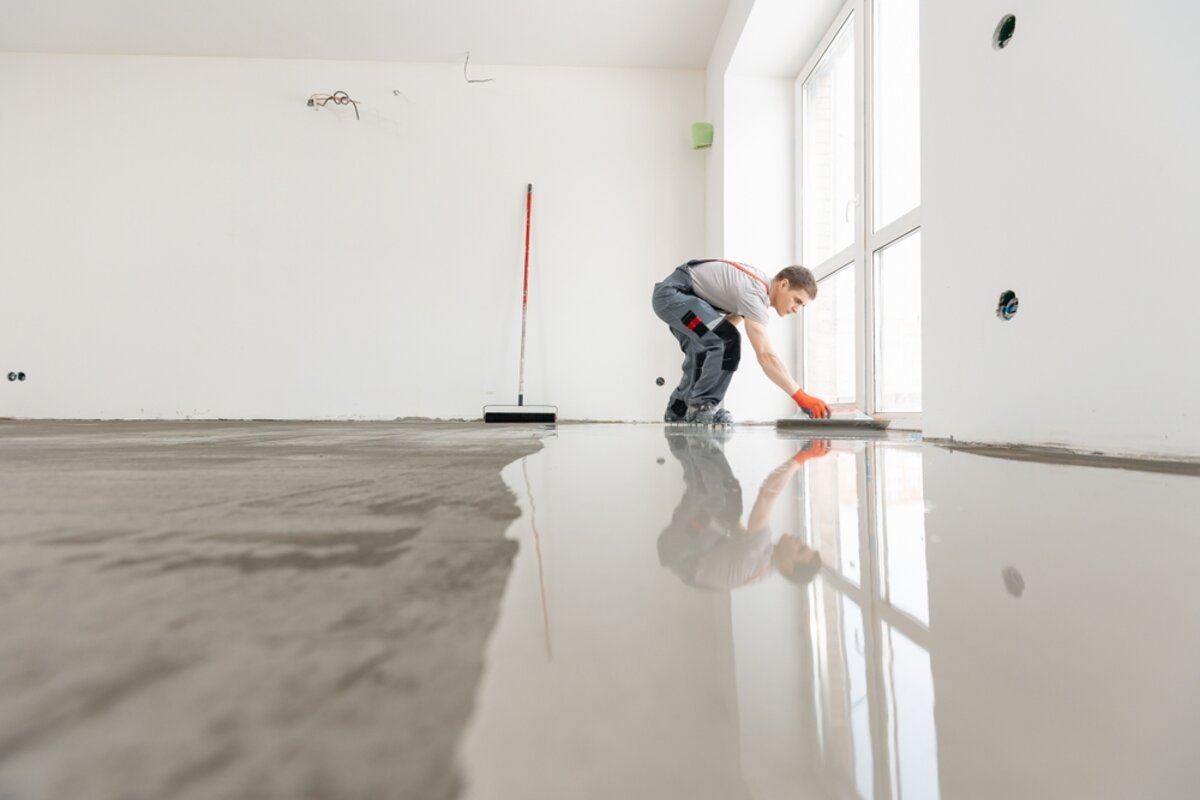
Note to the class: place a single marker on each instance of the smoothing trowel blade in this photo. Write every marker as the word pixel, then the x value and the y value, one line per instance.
pixel 838 419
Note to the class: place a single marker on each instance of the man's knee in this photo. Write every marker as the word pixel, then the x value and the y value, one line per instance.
pixel 731 341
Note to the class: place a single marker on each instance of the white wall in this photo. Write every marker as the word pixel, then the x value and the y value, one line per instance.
pixel 759 218
pixel 185 238
pixel 751 202
pixel 724 49
pixel 749 149
pixel 1065 169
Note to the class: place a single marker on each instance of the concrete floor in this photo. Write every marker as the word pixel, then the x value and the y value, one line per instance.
pixel 245 610
pixel 215 610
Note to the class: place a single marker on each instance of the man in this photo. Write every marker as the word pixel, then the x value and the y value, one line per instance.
pixel 707 545
pixel 703 301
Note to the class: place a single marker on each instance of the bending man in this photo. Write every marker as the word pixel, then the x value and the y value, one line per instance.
pixel 703 301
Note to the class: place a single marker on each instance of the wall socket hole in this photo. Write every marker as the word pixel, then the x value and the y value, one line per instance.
pixel 20 376
pixel 1004 32
pixel 1007 309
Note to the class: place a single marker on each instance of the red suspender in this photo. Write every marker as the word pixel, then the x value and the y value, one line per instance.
pixel 736 265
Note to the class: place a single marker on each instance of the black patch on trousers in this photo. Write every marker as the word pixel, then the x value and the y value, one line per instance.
pixel 732 339
pixel 693 324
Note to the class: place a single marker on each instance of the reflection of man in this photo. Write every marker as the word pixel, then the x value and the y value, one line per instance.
pixel 707 545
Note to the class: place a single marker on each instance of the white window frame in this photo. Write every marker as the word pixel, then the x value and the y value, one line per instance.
pixel 867 242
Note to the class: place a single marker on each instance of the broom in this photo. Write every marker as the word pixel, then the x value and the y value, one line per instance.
pixel 521 412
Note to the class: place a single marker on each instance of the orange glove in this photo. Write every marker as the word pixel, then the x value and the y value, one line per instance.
pixel 815 408
pixel 815 449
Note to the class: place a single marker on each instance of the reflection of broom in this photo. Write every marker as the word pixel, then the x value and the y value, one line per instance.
pixel 537 545
pixel 521 412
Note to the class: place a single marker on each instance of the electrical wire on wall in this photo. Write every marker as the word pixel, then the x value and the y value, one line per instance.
pixel 337 98
pixel 475 80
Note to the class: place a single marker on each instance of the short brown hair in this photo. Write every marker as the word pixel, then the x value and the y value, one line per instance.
pixel 803 572
pixel 799 277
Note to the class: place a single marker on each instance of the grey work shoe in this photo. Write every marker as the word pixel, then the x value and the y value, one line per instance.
pixel 708 414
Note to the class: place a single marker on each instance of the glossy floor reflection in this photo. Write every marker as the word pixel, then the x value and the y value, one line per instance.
pixel 762 616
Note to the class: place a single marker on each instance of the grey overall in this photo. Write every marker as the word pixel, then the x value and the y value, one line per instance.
pixel 710 355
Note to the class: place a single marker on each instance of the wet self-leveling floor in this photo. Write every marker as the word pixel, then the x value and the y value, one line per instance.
pixel 213 610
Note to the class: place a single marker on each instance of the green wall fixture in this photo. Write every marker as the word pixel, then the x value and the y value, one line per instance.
pixel 702 135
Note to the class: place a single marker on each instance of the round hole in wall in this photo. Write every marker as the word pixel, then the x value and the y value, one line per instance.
pixel 12 376
pixel 1004 32
pixel 1007 309
pixel 20 376
pixel 659 381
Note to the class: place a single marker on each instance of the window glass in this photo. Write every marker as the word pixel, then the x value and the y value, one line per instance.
pixel 897 119
pixel 829 328
pixel 898 362
pixel 827 168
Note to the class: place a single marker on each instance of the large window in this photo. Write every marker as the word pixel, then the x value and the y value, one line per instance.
pixel 860 206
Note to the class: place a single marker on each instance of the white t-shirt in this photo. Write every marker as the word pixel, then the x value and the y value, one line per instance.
pixel 732 287
pixel 737 560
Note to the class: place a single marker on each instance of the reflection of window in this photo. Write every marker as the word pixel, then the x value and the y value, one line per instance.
pixel 835 519
pixel 903 578
pixel 829 370
pixel 844 705
pixel 858 695
pixel 870 623
pixel 913 745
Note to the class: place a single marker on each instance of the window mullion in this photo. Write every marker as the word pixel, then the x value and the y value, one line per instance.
pixel 894 231
pixel 864 219
pixel 836 262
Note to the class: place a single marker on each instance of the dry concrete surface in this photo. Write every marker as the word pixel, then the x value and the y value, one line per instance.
pixel 246 610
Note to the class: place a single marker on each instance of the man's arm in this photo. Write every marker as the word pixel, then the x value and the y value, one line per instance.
pixel 773 366
pixel 760 514
pixel 768 493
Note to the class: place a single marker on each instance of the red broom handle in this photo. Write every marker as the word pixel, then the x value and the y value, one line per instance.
pixel 525 293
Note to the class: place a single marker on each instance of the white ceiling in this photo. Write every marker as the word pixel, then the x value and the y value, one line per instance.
pixel 594 33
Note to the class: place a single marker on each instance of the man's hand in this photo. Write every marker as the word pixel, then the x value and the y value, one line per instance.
pixel 815 407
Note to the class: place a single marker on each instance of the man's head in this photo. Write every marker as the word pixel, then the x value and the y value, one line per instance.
pixel 793 288
pixel 795 560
